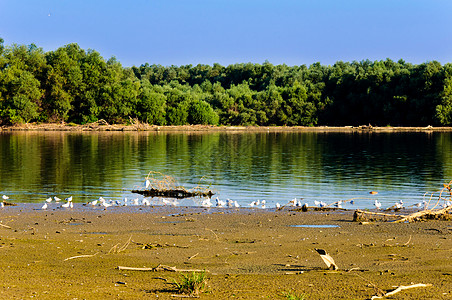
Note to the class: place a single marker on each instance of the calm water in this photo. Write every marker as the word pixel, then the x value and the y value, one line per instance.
pixel 241 166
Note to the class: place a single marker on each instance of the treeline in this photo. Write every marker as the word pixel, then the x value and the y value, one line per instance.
pixel 74 85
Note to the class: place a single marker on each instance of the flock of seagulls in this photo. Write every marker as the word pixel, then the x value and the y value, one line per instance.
pixel 207 202
pixel 399 205
pixel 49 200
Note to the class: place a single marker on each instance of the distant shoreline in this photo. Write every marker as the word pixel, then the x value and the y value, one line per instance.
pixel 100 126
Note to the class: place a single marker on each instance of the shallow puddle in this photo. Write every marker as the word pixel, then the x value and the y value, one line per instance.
pixel 315 226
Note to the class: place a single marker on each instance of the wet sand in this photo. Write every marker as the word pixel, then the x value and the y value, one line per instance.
pixel 249 253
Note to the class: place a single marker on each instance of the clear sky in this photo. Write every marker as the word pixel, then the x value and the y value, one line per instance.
pixel 181 32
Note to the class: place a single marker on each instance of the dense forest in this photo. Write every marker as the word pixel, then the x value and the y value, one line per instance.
pixel 79 86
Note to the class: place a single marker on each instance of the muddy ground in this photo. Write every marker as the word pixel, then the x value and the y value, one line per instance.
pixel 248 253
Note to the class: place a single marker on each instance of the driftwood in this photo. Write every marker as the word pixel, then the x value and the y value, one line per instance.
pixel 160 185
pixel 361 215
pixel 401 288
pixel 425 214
pixel 173 193
pixel 115 249
pixel 5 226
pixel 81 256
pixel 161 268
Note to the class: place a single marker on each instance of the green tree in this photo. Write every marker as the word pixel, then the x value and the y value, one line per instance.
pixel 151 104
pixel 64 81
pixel 20 92
pixel 444 110
pixel 200 112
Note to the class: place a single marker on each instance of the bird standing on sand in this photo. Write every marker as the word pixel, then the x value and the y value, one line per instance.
pixel 399 205
pixel 44 206
pixel 105 204
pixel 255 203
pixel 220 203
pixel 5 197
pixel 319 203
pixel 377 204
pixel 68 203
pixel 206 203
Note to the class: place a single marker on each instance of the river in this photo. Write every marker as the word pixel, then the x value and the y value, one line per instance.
pixel 274 166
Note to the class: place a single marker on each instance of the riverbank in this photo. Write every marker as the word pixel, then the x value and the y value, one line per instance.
pixel 250 254
pixel 104 126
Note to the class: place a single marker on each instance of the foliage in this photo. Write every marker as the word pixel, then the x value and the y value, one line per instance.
pixel 192 283
pixel 74 85
pixel 293 296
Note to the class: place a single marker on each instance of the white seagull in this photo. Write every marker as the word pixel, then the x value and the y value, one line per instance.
pixel 220 203
pixel 67 204
pixel 338 204
pixel 48 200
pixel 147 183
pixel 105 204
pixel 206 203
pixel 255 203
pixel 56 199
pixel 5 197
pixel 399 205
pixel 229 203
pixel 319 203
pixel 44 206
pixel 377 204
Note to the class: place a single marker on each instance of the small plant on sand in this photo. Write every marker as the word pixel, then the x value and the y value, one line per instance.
pixel 293 296
pixel 192 283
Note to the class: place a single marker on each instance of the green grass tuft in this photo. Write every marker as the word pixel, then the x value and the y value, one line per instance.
pixel 293 296
pixel 192 283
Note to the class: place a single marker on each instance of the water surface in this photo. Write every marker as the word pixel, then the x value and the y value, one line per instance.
pixel 275 167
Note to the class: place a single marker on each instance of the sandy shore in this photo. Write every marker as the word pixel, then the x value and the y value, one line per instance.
pixel 104 126
pixel 250 254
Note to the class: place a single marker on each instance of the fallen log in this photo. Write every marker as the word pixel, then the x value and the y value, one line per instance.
pixel 361 215
pixel 173 193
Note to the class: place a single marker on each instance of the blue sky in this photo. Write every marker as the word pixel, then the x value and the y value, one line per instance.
pixel 181 32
